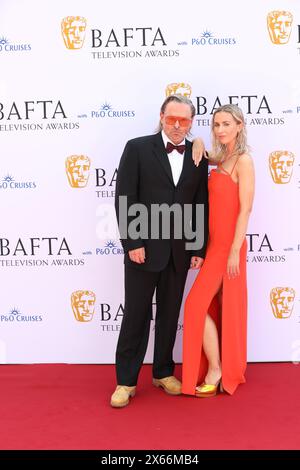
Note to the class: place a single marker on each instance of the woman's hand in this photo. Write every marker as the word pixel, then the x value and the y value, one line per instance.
pixel 233 263
pixel 198 150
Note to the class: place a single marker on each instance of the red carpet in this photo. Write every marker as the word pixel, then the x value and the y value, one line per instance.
pixel 58 406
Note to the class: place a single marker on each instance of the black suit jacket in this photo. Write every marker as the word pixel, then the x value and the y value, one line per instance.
pixel 145 177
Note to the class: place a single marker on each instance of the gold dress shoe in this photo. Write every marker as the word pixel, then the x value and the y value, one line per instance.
pixel 208 390
pixel 121 396
pixel 170 385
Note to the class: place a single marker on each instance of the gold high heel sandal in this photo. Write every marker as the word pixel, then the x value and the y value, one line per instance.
pixel 207 390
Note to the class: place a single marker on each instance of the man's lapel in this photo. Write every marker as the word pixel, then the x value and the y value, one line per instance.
pixel 188 163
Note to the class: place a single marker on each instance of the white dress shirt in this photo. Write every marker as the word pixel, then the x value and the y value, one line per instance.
pixel 175 159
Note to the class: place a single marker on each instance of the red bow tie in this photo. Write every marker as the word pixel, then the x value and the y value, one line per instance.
pixel 170 147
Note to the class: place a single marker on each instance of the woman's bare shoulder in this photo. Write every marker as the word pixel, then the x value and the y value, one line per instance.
pixel 245 160
pixel 245 165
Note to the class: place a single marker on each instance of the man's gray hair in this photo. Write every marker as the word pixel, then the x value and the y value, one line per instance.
pixel 178 99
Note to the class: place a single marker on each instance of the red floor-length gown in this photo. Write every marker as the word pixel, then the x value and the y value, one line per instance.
pixel 231 316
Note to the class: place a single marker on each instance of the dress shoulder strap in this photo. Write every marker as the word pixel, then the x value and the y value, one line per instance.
pixel 234 165
pixel 223 169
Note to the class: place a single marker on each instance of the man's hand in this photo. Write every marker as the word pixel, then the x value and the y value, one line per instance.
pixel 138 255
pixel 196 262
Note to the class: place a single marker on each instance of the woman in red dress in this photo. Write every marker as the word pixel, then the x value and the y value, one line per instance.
pixel 215 316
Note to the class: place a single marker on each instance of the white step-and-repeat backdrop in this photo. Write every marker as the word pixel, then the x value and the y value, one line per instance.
pixel 78 79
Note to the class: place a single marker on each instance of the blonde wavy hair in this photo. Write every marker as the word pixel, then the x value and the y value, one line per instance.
pixel 241 146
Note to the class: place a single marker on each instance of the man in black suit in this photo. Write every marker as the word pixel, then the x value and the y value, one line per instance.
pixel 157 170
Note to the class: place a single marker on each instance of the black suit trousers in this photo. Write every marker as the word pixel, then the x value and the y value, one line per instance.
pixel 134 334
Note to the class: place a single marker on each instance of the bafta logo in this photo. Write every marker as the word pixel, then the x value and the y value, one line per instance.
pixel 280 26
pixel 73 31
pixel 281 166
pixel 78 170
pixel 183 89
pixel 83 305
pixel 282 301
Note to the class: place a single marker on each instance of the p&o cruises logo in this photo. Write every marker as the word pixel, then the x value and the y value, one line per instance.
pixel 6 46
pixel 15 316
pixel 8 182
pixel 207 38
pixel 110 248
pixel 107 111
